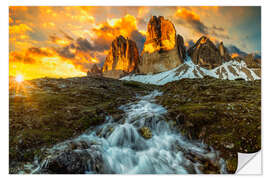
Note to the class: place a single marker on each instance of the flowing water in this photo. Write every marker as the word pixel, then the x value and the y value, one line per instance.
pixel 118 147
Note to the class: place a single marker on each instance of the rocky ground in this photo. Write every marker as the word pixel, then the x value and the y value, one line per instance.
pixel 46 111
pixel 224 114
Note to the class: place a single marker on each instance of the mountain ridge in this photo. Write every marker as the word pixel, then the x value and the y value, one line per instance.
pixel 230 70
pixel 164 50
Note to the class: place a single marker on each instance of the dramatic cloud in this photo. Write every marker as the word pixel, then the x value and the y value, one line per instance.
pixel 80 52
pixel 20 57
pixel 65 52
pixel 222 36
pixel 30 56
pixel 39 51
pixel 107 31
pixel 235 51
pixel 83 45
pixel 217 28
pixel 67 41
pixel 190 19
pixel 115 27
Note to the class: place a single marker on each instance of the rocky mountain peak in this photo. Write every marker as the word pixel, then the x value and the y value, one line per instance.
pixel 206 54
pixel 224 52
pixel 221 48
pixel 163 50
pixel 160 35
pixel 122 58
pixel 203 40
pixel 181 47
pixel 94 71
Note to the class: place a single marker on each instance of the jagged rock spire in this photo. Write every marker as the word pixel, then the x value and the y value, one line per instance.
pixel 122 58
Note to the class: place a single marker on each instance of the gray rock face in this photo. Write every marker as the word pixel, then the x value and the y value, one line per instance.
pixel 206 54
pixel 181 47
pixel 224 52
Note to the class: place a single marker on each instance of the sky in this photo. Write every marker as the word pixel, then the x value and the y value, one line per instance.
pixel 66 41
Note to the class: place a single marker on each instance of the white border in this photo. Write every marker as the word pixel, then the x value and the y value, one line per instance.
pixel 138 2
pixel 4 74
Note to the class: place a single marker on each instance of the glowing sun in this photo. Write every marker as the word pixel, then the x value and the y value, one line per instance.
pixel 19 78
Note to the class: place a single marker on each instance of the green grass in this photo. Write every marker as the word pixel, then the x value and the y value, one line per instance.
pixel 217 112
pixel 49 114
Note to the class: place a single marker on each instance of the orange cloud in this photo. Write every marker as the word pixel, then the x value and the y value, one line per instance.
pixel 191 20
pixel 16 56
pixel 30 56
pixel 19 29
pixel 11 20
pixel 142 11
pixel 67 58
pixel 82 15
pixel 115 27
pixel 48 24
pixel 186 14
pixel 80 52
pixel 104 33
pixel 59 41
pixel 18 36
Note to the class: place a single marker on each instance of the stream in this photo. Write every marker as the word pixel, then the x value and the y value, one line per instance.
pixel 117 147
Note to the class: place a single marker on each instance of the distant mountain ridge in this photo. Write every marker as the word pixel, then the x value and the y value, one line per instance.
pixel 164 52
pixel 230 70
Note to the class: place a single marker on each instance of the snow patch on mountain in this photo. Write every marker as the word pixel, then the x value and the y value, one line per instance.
pixel 230 70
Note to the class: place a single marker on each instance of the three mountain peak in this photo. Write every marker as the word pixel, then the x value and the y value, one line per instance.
pixel 163 50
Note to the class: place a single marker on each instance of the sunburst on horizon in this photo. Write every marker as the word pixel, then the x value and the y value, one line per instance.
pixel 19 78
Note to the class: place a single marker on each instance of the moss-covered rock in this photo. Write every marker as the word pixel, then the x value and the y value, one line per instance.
pixel 224 114
pixel 145 132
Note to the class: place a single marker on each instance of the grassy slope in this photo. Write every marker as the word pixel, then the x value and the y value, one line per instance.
pixel 53 110
pixel 224 114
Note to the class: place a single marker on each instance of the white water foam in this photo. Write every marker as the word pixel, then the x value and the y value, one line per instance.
pixel 125 151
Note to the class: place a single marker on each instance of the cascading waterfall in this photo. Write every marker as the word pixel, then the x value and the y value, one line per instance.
pixel 118 147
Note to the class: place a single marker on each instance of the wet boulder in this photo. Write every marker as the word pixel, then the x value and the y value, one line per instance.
pixel 75 162
pixel 145 132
